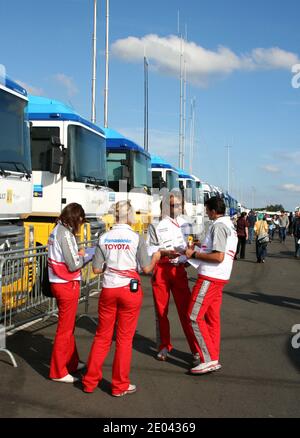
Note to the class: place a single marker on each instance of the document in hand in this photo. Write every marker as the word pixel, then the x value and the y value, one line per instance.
pixel 195 263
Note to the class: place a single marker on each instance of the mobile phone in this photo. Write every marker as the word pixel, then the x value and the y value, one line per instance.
pixel 134 285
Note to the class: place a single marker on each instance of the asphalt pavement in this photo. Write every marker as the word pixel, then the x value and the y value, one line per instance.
pixel 260 375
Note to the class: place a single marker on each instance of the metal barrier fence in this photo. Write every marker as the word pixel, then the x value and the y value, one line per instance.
pixel 22 275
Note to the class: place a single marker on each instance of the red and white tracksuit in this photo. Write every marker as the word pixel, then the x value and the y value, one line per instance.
pixel 64 265
pixel 121 249
pixel 206 299
pixel 170 276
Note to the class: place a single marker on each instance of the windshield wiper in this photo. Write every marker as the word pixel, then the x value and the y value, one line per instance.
pixel 3 172
pixel 93 180
pixel 16 164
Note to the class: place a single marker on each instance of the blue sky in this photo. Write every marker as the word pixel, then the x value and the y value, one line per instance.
pixel 239 56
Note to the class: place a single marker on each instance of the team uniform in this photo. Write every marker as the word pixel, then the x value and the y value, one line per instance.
pixel 170 275
pixel 206 300
pixel 64 268
pixel 122 250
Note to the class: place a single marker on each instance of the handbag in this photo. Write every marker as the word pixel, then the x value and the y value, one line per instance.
pixel 45 283
pixel 263 237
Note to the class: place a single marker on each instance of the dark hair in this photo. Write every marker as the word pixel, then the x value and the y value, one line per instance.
pixel 243 214
pixel 72 216
pixel 216 204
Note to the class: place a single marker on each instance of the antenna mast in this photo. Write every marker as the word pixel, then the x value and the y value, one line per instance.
pixel 93 117
pixel 106 67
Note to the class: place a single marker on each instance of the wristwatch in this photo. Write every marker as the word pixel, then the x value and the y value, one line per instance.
pixel 194 255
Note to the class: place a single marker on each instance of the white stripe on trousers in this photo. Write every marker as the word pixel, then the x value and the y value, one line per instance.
pixel 195 312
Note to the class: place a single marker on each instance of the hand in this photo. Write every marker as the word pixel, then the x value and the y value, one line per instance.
pixel 81 252
pixel 189 252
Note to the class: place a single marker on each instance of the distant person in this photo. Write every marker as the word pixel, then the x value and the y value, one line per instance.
pixel 276 222
pixel 283 226
pixel 251 219
pixel 291 220
pixel 242 233
pixel 296 233
pixel 64 265
pixel 216 259
pixel 119 253
pixel 262 238
pixel 272 228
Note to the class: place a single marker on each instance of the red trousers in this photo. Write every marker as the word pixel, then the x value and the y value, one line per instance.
pixel 167 278
pixel 117 305
pixel 204 312
pixel 64 357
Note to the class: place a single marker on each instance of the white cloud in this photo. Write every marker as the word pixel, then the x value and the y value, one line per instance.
pixel 291 188
pixel 270 168
pixel 67 82
pixel 202 64
pixel 273 58
pixel 30 88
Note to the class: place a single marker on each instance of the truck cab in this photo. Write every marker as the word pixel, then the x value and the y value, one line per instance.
pixel 129 175
pixel 69 165
pixel 164 178
pixel 15 168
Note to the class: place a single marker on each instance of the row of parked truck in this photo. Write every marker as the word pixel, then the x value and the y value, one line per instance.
pixel 51 156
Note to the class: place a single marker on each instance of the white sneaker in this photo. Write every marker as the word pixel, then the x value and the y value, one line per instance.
pixel 80 366
pixel 163 354
pixel 130 390
pixel 206 367
pixel 67 379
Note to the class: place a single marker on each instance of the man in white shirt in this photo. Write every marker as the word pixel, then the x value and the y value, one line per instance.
pixel 214 269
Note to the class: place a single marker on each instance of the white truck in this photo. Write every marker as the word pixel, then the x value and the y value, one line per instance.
pixel 129 176
pixel 15 168
pixel 69 165
pixel 164 178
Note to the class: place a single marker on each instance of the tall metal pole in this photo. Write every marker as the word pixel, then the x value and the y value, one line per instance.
pixel 184 114
pixel 184 100
pixel 93 116
pixel 106 67
pixel 181 108
pixel 192 133
pixel 146 145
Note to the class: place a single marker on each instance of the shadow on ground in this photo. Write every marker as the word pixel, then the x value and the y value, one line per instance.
pixel 275 300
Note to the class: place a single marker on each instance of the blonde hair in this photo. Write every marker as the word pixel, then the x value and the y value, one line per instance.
pixel 124 213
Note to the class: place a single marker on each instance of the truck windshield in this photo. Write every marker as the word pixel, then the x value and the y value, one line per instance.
pixel 172 180
pixel 191 185
pixel 87 152
pixel 14 133
pixel 156 179
pixel 199 193
pixel 141 170
pixel 116 161
pixel 41 146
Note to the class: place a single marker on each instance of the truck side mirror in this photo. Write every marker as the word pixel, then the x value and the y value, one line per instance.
pixel 162 183
pixel 55 141
pixel 56 159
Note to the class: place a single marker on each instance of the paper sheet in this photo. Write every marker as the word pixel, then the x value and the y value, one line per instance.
pixel 195 263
